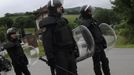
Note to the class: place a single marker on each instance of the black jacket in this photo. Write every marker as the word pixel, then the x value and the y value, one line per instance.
pixel 16 52
pixel 57 37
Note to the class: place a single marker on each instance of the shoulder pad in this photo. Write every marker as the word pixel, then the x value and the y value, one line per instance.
pixel 47 21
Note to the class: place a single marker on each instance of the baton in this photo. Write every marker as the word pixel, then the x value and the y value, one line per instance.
pixel 58 67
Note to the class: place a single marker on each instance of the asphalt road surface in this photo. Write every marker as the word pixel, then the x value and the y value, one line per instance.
pixel 121 63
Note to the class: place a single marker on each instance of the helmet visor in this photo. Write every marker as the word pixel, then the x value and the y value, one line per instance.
pixel 56 2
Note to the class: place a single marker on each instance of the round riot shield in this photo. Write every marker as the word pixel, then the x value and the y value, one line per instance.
pixel 109 35
pixel 84 41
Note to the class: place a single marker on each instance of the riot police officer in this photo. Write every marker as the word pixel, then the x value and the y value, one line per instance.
pixel 99 57
pixel 15 51
pixel 58 40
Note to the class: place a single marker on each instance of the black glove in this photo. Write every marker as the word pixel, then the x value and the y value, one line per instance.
pixel 76 52
pixel 51 62
pixel 104 46
pixel 104 43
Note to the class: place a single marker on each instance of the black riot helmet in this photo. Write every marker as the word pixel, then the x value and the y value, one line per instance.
pixel 52 7
pixel 86 11
pixel 54 3
pixel 10 31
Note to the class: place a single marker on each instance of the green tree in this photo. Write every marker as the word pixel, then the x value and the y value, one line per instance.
pixel 30 22
pixel 19 24
pixel 125 8
pixel 6 22
pixel 2 35
pixel 106 16
pixel 26 22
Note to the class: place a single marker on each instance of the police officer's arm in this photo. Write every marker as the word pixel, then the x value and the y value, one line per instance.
pixel 103 39
pixel 104 43
pixel 47 41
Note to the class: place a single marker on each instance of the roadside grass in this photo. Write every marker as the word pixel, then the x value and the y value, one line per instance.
pixel 122 43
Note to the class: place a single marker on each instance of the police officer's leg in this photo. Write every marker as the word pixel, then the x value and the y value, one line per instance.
pixel 105 63
pixel 17 70
pixel 25 70
pixel 96 62
pixel 72 64
pixel 61 60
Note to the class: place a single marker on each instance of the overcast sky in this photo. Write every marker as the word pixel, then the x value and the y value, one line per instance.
pixel 14 6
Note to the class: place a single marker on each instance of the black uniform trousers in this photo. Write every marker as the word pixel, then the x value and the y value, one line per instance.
pixel 67 61
pixel 100 61
pixel 21 69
